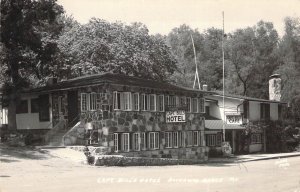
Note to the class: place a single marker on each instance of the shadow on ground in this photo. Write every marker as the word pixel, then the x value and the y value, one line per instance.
pixel 12 154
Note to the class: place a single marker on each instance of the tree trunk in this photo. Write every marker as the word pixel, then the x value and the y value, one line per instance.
pixel 12 123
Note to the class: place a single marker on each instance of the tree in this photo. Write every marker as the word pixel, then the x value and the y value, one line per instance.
pixel 253 58
pixel 28 30
pixel 289 51
pixel 99 46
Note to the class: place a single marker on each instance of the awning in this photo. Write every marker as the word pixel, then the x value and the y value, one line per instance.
pixel 218 125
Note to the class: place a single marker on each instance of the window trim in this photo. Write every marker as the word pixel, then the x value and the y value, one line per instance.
pixel 168 140
pixel 116 142
pixel 154 102
pixel 201 103
pixel 136 143
pixel 123 140
pixel 134 104
pixel 155 144
pixel 161 105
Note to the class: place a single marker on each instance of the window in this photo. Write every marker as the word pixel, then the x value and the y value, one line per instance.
pixel 93 101
pixel 207 110
pixel 194 105
pixel 188 103
pixel 122 101
pixel 143 141
pixel 35 105
pixel 22 107
pixel 145 102
pixel 265 111
pixel 160 103
pixel 175 139
pixel 189 135
pixel 181 139
pixel 153 140
pixel 117 100
pixel 211 140
pixel 126 100
pixel 125 142
pixel 182 101
pixel 256 138
pixel 196 138
pixel 152 102
pixel 116 142
pixel 44 113
pixel 202 105
pixel 168 139
pixel 167 98
pixel 172 101
pixel 136 102
pixel 136 141
pixel 84 102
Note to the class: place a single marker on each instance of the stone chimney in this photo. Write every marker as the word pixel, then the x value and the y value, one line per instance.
pixel 275 87
pixel 204 87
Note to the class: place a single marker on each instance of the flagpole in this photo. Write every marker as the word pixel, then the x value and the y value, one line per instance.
pixel 223 60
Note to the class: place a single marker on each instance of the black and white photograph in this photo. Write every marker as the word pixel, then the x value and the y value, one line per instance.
pixel 149 95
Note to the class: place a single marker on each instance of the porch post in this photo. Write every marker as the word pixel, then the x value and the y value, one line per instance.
pixel 265 141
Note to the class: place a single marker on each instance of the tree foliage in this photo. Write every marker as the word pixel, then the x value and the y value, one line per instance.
pixel 100 46
pixel 28 30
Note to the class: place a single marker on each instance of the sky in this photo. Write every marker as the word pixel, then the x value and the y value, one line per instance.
pixel 161 16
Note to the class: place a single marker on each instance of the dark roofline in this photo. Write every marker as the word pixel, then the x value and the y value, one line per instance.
pixel 216 93
pixel 110 78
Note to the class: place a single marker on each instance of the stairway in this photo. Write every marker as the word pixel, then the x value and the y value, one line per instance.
pixel 56 140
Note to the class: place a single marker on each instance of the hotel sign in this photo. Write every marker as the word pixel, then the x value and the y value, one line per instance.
pixel 177 116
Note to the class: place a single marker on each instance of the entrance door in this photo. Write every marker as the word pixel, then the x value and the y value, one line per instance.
pixel 73 116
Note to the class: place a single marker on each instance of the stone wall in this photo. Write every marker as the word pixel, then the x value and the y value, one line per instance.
pixel 105 121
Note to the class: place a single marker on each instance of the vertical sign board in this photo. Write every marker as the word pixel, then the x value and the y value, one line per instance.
pixel 177 116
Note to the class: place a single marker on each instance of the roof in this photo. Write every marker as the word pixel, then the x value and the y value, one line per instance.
pixel 219 93
pixel 112 79
pixel 218 125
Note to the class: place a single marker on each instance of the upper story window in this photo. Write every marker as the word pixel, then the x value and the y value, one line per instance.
pixel 88 101
pixel 201 105
pixel 136 101
pixel 189 103
pixel 172 101
pixel 122 100
pixel 152 102
pixel 194 105
pixel 265 111
pixel 145 102
pixel 160 103
pixel 93 101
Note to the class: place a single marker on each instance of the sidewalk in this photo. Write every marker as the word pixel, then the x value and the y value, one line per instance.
pixel 252 157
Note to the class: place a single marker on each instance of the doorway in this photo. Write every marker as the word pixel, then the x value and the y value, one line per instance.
pixel 73 117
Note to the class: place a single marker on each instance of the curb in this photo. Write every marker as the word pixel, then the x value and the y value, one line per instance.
pixel 234 160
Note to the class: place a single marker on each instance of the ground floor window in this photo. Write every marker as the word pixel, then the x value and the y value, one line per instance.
pixel 136 141
pixel 213 140
pixel 193 138
pixel 256 138
pixel 116 142
pixel 168 139
pixel 181 139
pixel 153 140
pixel 125 142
